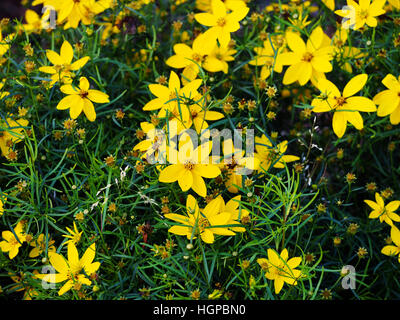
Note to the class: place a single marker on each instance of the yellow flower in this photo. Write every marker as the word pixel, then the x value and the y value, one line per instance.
pixel 74 235
pixel 34 21
pixel 5 43
pixel 81 98
pixel 395 3
pixel 189 166
pixel 205 223
pixel 393 250
pixel 279 269
pixel 13 241
pixel 237 165
pixel 388 101
pixel 221 21
pixel 40 246
pixel 232 207
pixel 357 15
pixel 3 199
pixel 344 53
pixel 3 93
pixel 75 270
pixel 267 57
pixel 74 11
pixel 330 4
pixel 199 117
pixel 345 106
pixel 190 58
pixel 62 64
pixel 23 284
pixel 167 97
pixel 307 61
pixel 384 213
pixel 217 59
pixel 11 132
pixel 268 155
pixel 155 142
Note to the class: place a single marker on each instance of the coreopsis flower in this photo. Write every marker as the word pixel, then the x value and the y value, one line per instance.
pixel 200 115
pixel 218 58
pixel 3 94
pixel 13 241
pixel 189 166
pixel 204 223
pixel 22 283
pixel 393 250
pixel 358 14
pixel 35 23
pixel 268 155
pixel 385 213
pixel 74 235
pixel 3 199
pixel 80 99
pixel 395 4
pixel 221 21
pixel 39 246
pixel 62 69
pixel 75 270
pixel 280 269
pixel 343 53
pixel 11 132
pixel 233 208
pixel 237 165
pixel 154 144
pixel 170 98
pixel 190 58
pixel 71 12
pixel 330 4
pixel 5 43
pixel 267 57
pixel 388 101
pixel 345 106
pixel 306 61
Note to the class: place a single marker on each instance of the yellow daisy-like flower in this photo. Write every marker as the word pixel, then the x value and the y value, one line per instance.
pixel 62 69
pixel 5 43
pixel 199 117
pixel 80 99
pixel 279 269
pixel 388 101
pixel 40 246
pixel 359 14
pixel 190 58
pixel 307 61
pixel 205 223
pixel 268 155
pixel 393 250
pixel 189 167
pixel 74 236
pixel 75 270
pixel 237 165
pixel 268 57
pixel 345 106
pixel 13 241
pixel 221 21
pixel 11 132
pixel 385 213
pixel 167 97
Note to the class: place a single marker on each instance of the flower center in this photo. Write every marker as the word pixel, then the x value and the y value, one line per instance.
pixel 363 14
pixel 83 94
pixel 196 57
pixel 202 223
pixel 340 101
pixel 221 22
pixel 188 165
pixel 172 96
pixel 307 57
